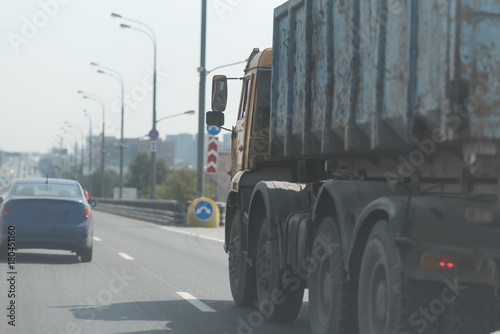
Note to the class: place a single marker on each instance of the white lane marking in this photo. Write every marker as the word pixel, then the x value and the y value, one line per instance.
pixel 97 239
pixel 126 256
pixel 195 302
pixel 191 234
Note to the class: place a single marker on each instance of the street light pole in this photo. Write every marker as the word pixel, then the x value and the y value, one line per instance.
pixel 201 108
pixel 75 127
pixel 112 73
pixel 201 116
pixel 150 33
pixel 75 147
pixel 189 112
pixel 101 102
pixel 90 150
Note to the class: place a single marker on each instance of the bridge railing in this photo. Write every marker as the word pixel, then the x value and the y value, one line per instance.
pixel 165 212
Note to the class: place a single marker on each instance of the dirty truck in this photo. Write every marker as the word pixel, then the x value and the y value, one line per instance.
pixel 365 166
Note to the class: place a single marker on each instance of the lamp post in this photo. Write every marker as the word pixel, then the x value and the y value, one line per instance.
pixel 189 112
pixel 75 147
pixel 90 149
pixel 101 102
pixel 222 66
pixel 150 33
pixel 112 73
pixel 79 128
pixel 201 106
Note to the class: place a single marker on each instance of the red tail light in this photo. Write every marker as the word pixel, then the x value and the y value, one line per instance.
pixel 6 209
pixel 435 261
pixel 86 211
pixel 446 265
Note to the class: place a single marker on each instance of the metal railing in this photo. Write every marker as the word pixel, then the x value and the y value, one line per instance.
pixel 165 212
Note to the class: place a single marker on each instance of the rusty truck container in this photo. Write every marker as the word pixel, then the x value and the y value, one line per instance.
pixel 365 77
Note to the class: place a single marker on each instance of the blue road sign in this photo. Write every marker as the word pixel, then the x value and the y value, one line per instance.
pixel 203 210
pixel 153 134
pixel 213 130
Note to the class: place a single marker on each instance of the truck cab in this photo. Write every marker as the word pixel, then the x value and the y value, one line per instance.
pixel 250 134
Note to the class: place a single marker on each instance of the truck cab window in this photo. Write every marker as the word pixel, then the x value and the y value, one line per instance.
pixel 244 99
pixel 263 110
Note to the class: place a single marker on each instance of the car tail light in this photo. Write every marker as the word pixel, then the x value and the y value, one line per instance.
pixel 6 209
pixel 86 212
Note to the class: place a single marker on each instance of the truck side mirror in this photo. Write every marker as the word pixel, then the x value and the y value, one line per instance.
pixel 215 118
pixel 219 93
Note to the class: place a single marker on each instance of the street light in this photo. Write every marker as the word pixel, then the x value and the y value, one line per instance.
pixel 90 149
pixel 75 147
pixel 79 128
pixel 150 33
pixel 74 143
pixel 101 102
pixel 222 66
pixel 113 73
pixel 189 112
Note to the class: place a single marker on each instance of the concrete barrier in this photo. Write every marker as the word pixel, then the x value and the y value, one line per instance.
pixel 203 212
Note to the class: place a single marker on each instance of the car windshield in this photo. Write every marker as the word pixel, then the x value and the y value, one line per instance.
pixel 46 190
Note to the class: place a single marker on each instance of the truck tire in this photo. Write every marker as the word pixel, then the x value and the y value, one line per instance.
pixel 277 302
pixel 331 308
pixel 388 302
pixel 241 274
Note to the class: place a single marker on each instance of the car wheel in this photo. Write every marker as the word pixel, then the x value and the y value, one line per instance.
pixel 86 254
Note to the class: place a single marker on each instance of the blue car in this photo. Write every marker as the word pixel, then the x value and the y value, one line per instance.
pixel 47 214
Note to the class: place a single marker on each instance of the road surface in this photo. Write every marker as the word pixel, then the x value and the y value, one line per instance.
pixel 143 278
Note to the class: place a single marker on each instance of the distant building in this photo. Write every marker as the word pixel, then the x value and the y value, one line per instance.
pixel 179 150
pixel 226 142
pixel 164 149
pixel 185 149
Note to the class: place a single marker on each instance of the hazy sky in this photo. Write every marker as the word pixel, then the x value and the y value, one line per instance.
pixel 46 47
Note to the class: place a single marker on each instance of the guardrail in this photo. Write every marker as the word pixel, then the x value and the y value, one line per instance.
pixel 165 212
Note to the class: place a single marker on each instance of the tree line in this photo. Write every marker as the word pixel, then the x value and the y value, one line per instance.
pixel 171 184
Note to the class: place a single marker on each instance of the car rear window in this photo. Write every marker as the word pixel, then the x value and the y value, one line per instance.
pixel 51 190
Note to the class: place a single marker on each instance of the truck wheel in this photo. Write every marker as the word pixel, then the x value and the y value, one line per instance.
pixel 277 302
pixel 241 274
pixel 332 309
pixel 387 301
pixel 380 297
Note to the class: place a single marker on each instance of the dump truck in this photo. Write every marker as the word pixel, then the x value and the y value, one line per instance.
pixel 365 167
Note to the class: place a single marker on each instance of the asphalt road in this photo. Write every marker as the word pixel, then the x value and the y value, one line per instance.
pixel 143 279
